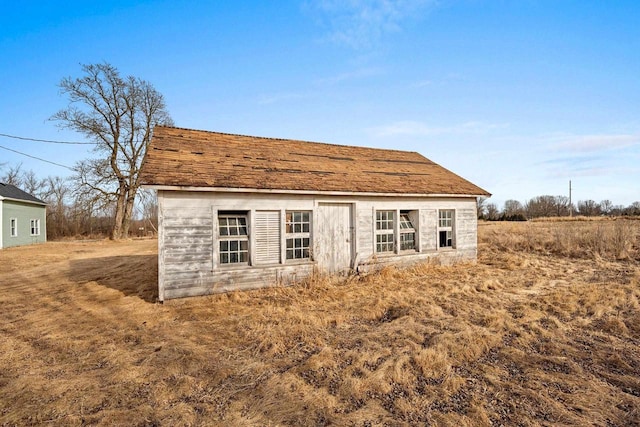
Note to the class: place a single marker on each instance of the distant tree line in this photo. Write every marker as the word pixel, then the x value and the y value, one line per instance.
pixel 74 212
pixel 552 206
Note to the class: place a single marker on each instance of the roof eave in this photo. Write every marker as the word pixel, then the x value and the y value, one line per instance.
pixel 23 201
pixel 283 191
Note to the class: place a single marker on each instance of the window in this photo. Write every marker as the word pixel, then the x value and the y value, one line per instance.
pixel 407 232
pixel 234 237
pixel 384 231
pixel 445 228
pixel 35 227
pixel 298 229
pixel 14 227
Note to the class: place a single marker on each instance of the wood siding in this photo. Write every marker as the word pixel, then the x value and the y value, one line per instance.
pixel 23 212
pixel 333 237
pixel 466 229
pixel 428 229
pixel 186 249
pixel 189 252
pixel 364 233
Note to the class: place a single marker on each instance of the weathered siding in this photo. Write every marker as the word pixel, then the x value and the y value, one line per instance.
pixel 466 224
pixel 24 213
pixel 365 231
pixel 428 229
pixel 186 248
pixel 188 238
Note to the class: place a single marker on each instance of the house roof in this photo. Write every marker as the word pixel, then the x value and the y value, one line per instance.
pixel 9 191
pixel 193 158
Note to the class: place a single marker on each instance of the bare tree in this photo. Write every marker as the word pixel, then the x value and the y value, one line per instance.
pixel 513 209
pixel 55 193
pixel 493 213
pixel 13 176
pixel 562 206
pixel 588 208
pixel 34 185
pixel 149 204
pixel 541 206
pixel 633 209
pixel 118 114
pixel 606 206
pixel 481 206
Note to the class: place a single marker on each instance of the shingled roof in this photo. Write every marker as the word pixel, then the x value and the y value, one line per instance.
pixel 9 191
pixel 193 158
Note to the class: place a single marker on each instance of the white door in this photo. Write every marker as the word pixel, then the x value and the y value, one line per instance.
pixel 334 237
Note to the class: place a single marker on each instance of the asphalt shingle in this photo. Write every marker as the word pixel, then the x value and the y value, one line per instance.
pixel 194 158
pixel 12 192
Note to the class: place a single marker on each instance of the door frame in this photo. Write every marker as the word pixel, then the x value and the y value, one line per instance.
pixel 351 227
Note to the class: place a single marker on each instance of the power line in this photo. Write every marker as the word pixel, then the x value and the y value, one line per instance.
pixel 37 158
pixel 47 140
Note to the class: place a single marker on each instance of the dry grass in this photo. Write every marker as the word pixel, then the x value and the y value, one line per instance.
pixel 613 239
pixel 529 335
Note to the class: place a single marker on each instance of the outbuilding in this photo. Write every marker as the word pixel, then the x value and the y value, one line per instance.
pixel 241 212
pixel 23 217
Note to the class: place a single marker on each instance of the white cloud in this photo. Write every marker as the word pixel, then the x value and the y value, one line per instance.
pixel 415 128
pixel 423 83
pixel 279 97
pixel 362 23
pixel 351 75
pixel 588 143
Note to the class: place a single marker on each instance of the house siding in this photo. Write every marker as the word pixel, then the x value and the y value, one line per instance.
pixel 188 239
pixel 24 213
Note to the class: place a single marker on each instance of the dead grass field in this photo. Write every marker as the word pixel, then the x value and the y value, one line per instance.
pixel 543 330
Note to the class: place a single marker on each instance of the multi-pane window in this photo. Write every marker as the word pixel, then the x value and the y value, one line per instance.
pixel 234 238
pixel 407 232
pixel 298 231
pixel 445 228
pixel 384 231
pixel 35 227
pixel 14 227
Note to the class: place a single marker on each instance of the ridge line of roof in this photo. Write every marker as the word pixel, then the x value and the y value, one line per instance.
pixel 294 140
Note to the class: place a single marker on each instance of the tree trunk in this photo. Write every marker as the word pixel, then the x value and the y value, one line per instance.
pixel 128 212
pixel 121 200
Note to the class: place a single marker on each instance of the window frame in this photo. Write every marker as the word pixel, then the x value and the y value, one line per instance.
pixel 407 231
pixel 386 231
pixel 13 227
pixel 35 227
pixel 294 234
pixel 239 238
pixel 446 225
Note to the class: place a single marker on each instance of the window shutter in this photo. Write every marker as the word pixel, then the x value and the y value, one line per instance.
pixel 267 237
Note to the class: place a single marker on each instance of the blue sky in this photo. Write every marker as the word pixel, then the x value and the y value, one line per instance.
pixel 519 97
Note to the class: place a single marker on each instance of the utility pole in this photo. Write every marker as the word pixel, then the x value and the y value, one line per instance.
pixel 570 205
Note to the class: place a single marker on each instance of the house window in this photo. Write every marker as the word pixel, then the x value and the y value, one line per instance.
pixel 14 227
pixel 445 228
pixel 35 227
pixel 384 231
pixel 298 229
pixel 233 237
pixel 407 232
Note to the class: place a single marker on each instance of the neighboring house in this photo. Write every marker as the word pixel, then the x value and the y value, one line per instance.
pixel 23 217
pixel 241 212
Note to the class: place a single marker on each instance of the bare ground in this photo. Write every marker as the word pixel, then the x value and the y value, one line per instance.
pixel 526 336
